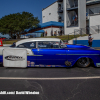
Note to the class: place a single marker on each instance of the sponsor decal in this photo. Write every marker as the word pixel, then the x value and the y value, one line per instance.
pixel 58 65
pixel 28 62
pixel 36 65
pixel 42 65
pixel 32 63
pixel 48 65
pixel 53 65
pixel 68 63
pixel 32 45
pixel 14 58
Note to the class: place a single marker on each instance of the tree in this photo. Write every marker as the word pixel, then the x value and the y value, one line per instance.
pixel 15 24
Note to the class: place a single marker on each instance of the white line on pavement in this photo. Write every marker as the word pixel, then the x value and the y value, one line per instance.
pixel 60 78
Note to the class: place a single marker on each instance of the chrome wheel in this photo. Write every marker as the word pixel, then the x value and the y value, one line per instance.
pixel 83 62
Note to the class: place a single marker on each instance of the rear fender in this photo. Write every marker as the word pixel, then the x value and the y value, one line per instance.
pixel 82 57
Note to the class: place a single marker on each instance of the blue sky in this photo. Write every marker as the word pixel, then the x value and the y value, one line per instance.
pixel 33 6
pixel 14 6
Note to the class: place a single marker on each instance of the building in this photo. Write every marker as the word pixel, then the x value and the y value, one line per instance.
pixel 75 14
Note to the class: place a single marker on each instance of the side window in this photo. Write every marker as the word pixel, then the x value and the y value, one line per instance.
pixel 27 45
pixel 47 44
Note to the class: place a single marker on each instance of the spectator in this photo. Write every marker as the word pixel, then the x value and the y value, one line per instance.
pixel 55 33
pixel 76 16
pixel 59 33
pixel 74 19
pixel 46 33
pixel 90 39
pixel 51 32
pixel 43 34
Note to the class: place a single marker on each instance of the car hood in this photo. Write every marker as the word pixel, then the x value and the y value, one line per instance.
pixel 77 46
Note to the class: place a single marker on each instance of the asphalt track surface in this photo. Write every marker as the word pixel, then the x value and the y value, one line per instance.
pixel 51 83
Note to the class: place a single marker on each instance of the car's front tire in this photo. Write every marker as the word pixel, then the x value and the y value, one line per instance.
pixel 83 62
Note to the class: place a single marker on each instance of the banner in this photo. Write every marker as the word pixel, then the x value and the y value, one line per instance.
pixel 15 57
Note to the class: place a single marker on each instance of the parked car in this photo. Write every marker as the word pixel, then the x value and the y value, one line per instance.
pixel 50 52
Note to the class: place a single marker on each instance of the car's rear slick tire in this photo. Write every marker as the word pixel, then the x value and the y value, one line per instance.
pixel 83 62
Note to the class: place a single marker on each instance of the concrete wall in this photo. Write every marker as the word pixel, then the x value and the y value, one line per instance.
pixel 94 20
pixel 70 30
pixel 82 13
pixel 50 13
pixel 95 43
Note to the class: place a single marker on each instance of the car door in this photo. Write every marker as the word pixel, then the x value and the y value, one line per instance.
pixel 49 53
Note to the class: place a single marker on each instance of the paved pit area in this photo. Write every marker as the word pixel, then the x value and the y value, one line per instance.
pixel 50 83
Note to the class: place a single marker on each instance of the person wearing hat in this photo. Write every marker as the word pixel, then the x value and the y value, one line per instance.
pixel 90 39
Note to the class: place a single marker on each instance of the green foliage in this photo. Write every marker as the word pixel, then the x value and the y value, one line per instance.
pixel 15 24
pixel 41 34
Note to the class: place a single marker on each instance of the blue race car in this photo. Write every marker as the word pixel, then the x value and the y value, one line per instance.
pixel 49 52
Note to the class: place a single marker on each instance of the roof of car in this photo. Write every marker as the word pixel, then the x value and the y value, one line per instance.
pixel 36 39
